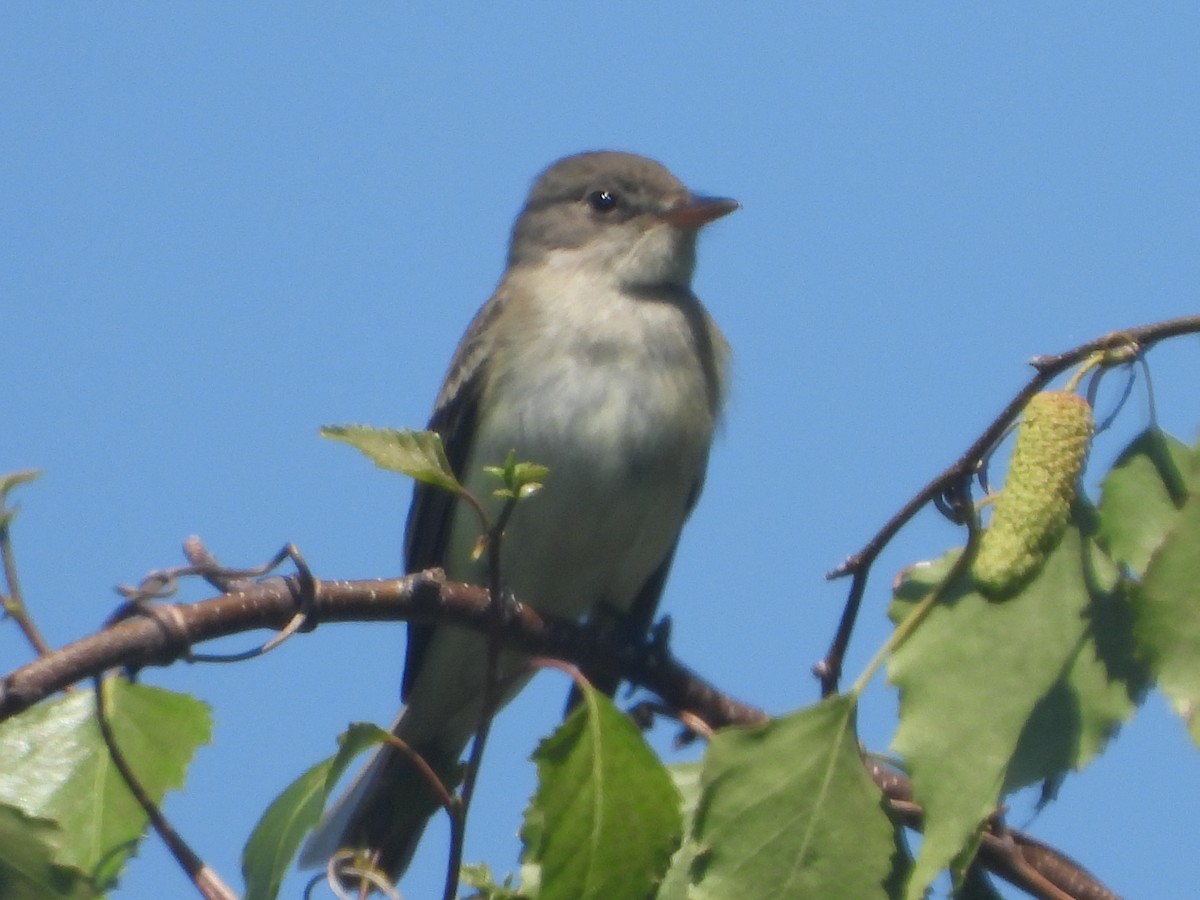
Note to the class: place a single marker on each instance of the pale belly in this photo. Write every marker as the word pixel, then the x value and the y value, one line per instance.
pixel 622 470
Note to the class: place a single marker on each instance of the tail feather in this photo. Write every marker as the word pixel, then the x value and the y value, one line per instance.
pixel 386 807
pixel 384 810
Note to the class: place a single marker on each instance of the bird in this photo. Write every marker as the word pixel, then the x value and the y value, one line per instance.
pixel 594 359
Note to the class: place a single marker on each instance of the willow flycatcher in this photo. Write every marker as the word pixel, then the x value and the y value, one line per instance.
pixel 594 358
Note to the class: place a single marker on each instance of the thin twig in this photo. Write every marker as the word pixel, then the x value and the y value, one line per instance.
pixel 491 695
pixel 207 882
pixel 11 598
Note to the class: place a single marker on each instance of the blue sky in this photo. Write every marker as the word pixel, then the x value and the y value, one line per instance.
pixel 226 224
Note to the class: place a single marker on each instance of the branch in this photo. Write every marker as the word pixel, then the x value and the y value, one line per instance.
pixel 174 629
pixel 169 633
pixel 957 476
pixel 11 600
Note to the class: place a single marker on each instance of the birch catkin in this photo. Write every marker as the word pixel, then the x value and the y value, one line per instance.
pixel 1030 514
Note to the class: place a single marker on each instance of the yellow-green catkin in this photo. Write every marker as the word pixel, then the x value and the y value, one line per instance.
pixel 1030 514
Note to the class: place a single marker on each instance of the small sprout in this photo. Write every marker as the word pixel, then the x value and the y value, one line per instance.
pixel 1031 513
pixel 521 479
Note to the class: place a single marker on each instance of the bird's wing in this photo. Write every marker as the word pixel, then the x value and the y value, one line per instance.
pixel 455 415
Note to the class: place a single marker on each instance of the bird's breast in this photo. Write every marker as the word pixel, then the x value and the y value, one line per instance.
pixel 616 404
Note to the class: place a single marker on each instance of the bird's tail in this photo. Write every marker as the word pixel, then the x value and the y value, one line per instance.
pixel 385 809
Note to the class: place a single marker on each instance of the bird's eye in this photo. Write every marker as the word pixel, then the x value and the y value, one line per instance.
pixel 602 201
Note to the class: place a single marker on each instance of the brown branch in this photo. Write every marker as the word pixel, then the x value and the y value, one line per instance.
pixel 955 479
pixel 1022 861
pixel 168 636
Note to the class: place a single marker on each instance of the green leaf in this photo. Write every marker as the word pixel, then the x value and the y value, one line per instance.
pixel 527 473
pixel 417 454
pixel 677 881
pixel 1168 615
pixel 268 853
pixel 1058 668
pixel 54 765
pixel 788 810
pixel 1141 497
pixel 27 868
pixel 1103 683
pixel 605 817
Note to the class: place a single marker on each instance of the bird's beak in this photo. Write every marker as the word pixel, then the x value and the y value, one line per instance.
pixel 695 211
